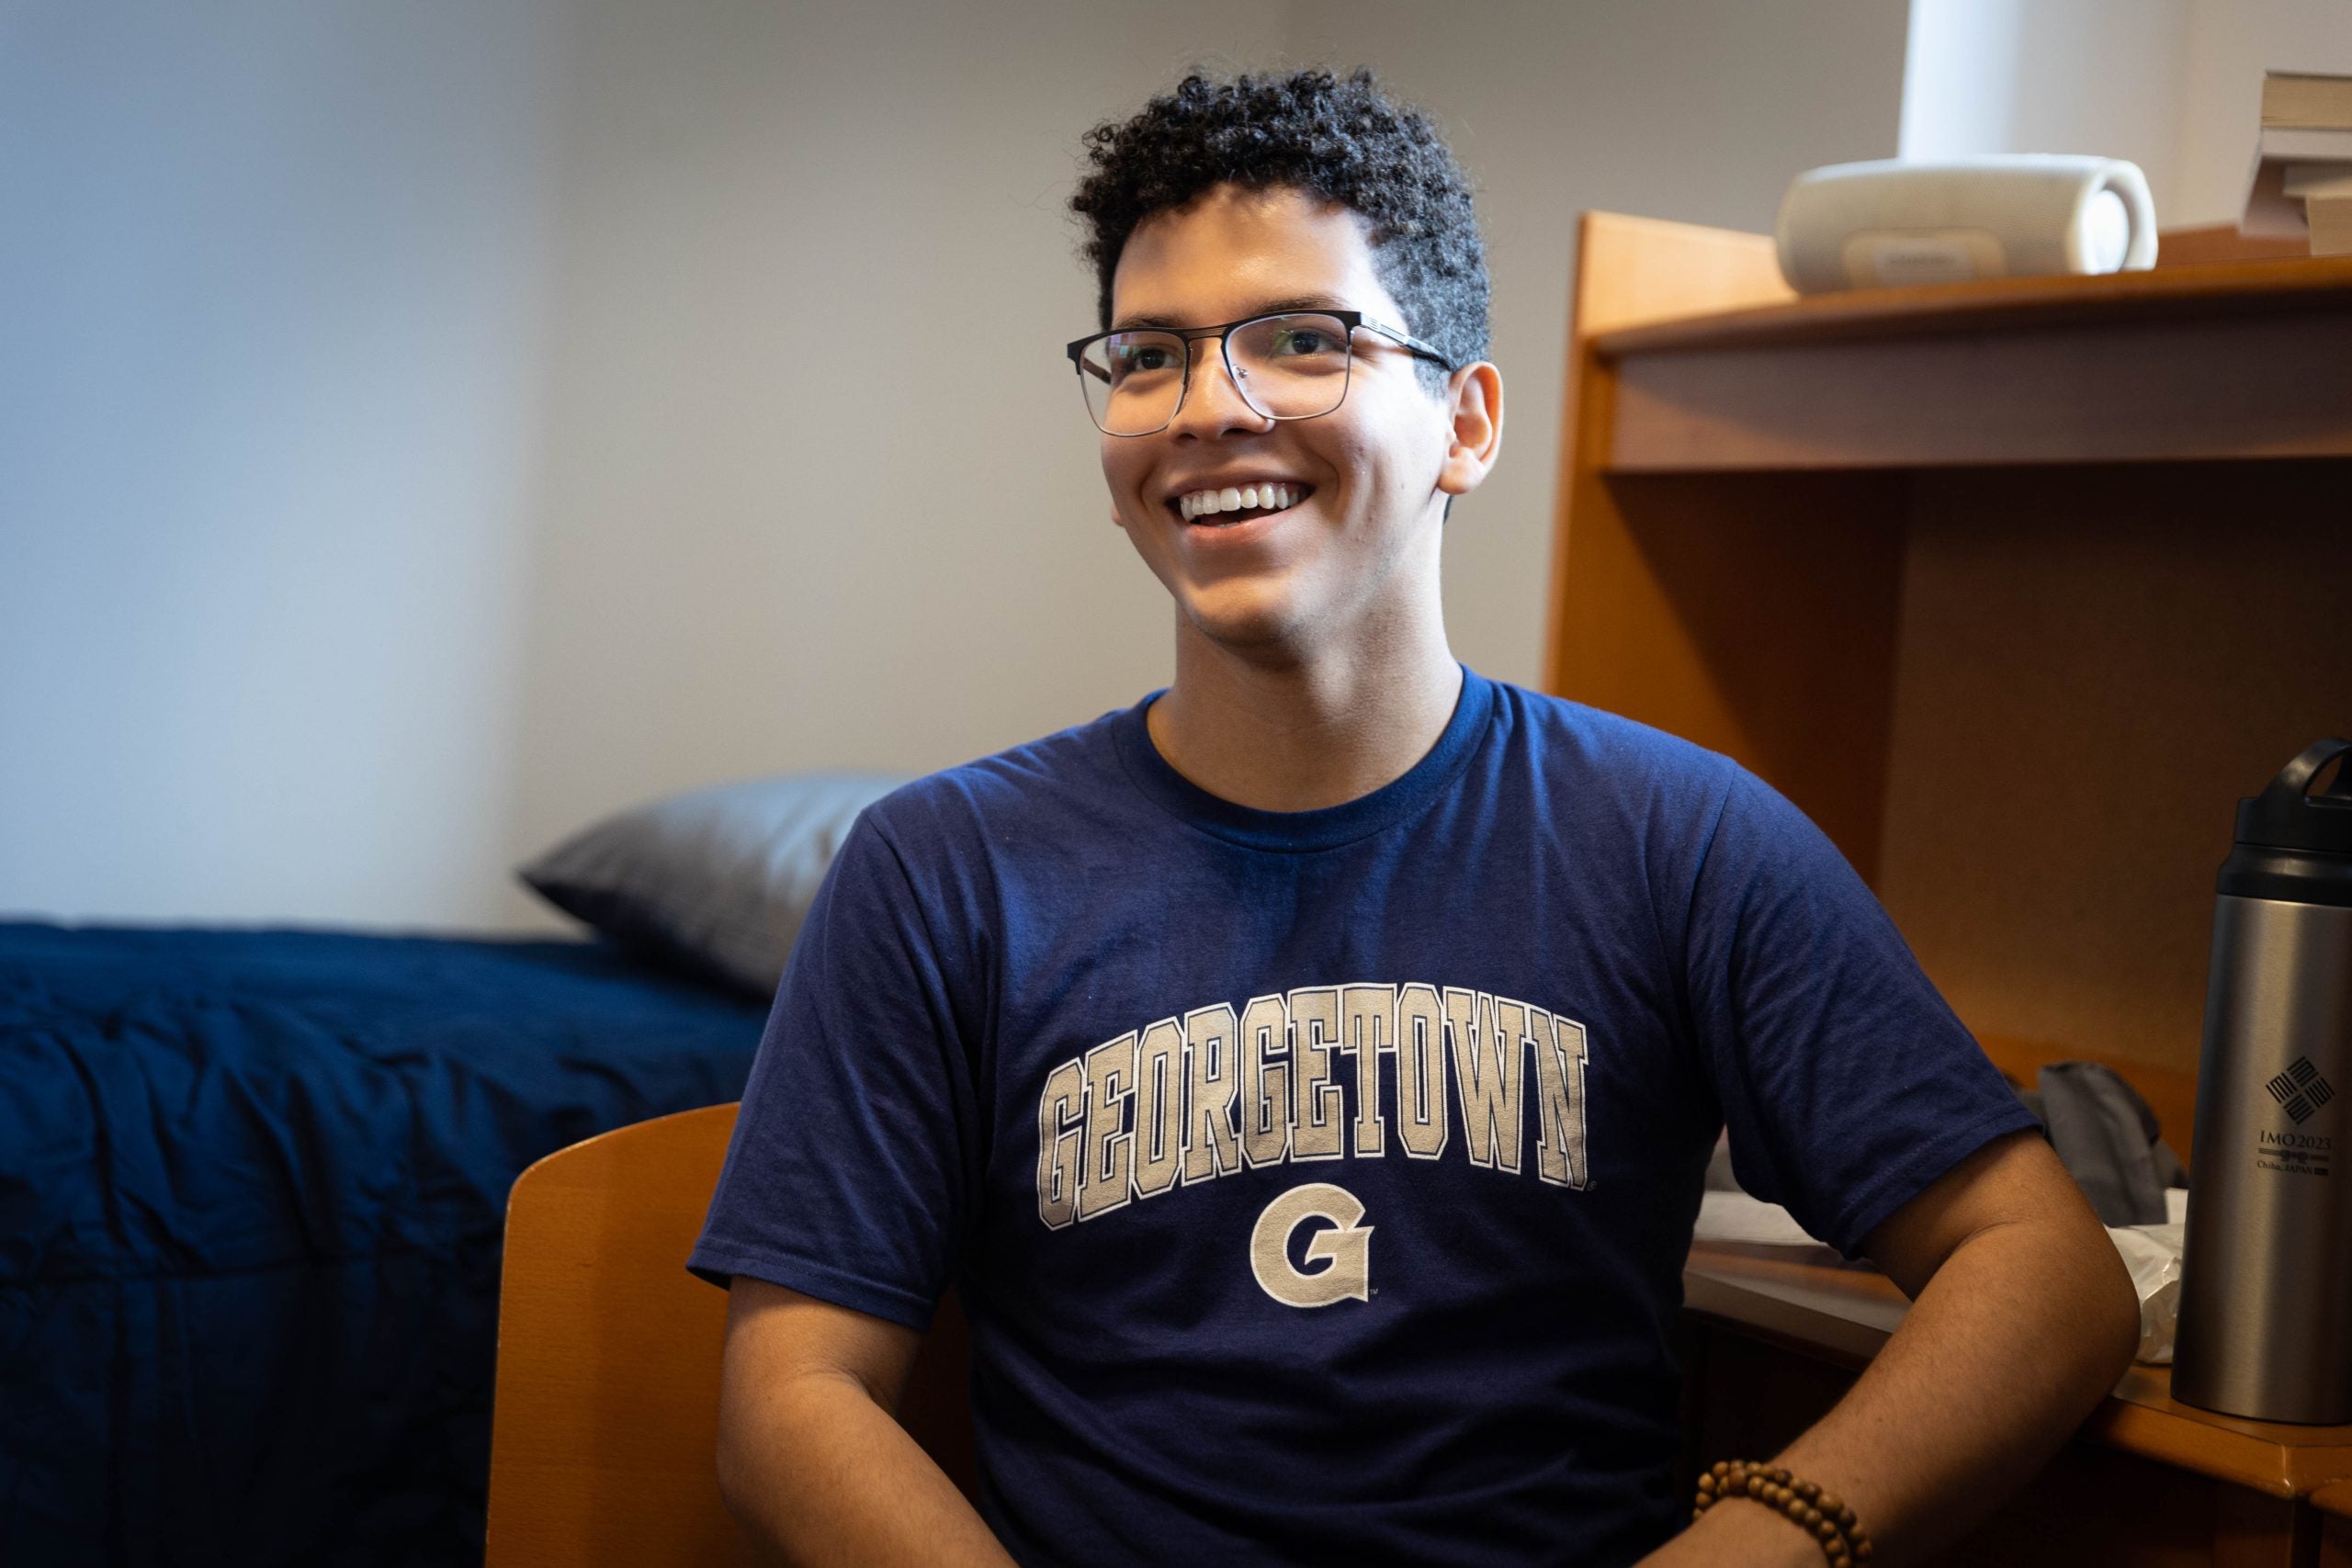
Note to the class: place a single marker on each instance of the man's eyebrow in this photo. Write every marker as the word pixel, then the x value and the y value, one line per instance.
pixel 1147 322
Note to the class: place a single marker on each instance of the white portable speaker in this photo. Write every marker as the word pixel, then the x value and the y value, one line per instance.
pixel 2000 215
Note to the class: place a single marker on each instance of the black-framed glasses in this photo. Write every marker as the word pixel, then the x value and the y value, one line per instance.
pixel 1289 365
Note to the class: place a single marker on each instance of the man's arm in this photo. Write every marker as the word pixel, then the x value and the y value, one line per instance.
pixel 2022 1318
pixel 811 1460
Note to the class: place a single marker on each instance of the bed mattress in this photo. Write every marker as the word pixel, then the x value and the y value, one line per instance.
pixel 252 1192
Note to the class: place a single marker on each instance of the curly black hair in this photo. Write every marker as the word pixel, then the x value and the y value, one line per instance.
pixel 1340 138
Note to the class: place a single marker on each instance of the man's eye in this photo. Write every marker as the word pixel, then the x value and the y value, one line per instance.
pixel 1149 357
pixel 1304 339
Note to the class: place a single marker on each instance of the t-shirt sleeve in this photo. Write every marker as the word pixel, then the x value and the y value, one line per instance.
pixel 1846 1083
pixel 852 1166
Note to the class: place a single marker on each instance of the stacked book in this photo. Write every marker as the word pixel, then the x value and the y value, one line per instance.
pixel 2303 177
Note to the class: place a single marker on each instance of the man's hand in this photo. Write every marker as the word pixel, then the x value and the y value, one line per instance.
pixel 2023 1318
pixel 811 1460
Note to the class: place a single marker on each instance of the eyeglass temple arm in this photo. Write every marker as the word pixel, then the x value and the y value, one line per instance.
pixel 1426 351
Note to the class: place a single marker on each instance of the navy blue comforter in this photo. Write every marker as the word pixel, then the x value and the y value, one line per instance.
pixel 252 1187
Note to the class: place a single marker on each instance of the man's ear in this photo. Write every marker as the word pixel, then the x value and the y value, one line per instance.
pixel 1473 402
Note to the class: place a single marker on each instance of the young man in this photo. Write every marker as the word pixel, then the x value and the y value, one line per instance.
pixel 1308 1076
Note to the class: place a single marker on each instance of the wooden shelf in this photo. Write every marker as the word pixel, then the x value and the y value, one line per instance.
pixel 2228 360
pixel 2213 289
pixel 2014 587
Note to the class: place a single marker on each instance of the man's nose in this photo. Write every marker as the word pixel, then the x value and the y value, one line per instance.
pixel 1214 403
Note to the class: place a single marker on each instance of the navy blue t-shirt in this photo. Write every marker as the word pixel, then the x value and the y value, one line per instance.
pixel 1318 1184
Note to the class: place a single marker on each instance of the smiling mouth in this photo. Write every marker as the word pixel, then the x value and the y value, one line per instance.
pixel 1236 503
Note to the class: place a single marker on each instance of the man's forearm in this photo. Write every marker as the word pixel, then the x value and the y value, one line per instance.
pixel 2010 1345
pixel 819 1473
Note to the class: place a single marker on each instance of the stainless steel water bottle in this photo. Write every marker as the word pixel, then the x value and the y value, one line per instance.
pixel 2266 1290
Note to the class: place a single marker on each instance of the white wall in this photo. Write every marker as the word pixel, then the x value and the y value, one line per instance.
pixel 2231 43
pixel 429 426
pixel 2175 85
pixel 2099 76
pixel 268 355
pixel 781 522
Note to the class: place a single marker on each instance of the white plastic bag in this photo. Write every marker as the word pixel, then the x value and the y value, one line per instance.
pixel 2153 1255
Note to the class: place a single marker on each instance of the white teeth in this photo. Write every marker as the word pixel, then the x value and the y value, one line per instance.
pixel 1238 497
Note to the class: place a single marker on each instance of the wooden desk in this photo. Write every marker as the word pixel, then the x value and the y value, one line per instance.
pixel 1771 1341
pixel 2334 1504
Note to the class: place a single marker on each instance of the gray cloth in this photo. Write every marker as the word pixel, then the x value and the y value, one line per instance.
pixel 2104 1135
pixel 719 879
pixel 2109 1140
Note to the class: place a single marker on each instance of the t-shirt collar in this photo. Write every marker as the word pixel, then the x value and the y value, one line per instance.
pixel 1323 828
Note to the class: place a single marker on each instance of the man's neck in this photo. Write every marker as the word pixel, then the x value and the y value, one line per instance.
pixel 1299 735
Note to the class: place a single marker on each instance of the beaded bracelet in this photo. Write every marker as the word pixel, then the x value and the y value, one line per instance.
pixel 1819 1514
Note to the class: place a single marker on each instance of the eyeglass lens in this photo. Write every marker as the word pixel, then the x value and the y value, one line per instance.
pixel 1292 366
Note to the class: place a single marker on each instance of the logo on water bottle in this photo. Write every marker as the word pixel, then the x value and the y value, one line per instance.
pixel 2300 1091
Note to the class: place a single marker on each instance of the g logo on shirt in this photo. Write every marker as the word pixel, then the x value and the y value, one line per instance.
pixel 1345 1250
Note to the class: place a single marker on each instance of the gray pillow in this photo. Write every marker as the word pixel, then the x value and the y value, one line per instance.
pixel 719 879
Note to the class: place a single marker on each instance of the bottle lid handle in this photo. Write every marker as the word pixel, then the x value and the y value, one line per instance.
pixel 2292 786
